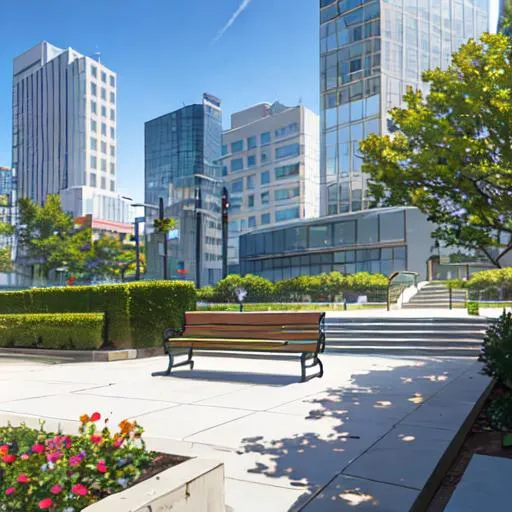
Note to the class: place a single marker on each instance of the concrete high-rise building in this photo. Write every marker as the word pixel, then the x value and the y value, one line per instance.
pixel 271 169
pixel 182 152
pixel 64 131
pixel 370 51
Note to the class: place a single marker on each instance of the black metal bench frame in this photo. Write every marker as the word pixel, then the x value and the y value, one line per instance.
pixel 305 357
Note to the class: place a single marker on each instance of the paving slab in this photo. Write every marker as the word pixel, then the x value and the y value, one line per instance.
pixel 485 485
pixel 347 494
pixel 406 456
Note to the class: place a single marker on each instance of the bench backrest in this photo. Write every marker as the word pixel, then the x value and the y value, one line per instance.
pixel 300 325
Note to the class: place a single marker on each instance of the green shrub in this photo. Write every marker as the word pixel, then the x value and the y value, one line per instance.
pixel 81 331
pixel 492 284
pixel 133 311
pixel 497 349
pixel 473 308
pixel 500 412
pixel 258 289
pixel 206 294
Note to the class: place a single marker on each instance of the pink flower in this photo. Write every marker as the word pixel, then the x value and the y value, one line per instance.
pixel 118 442
pixel 101 466
pixel 75 460
pixel 22 479
pixel 56 489
pixel 25 456
pixel 10 490
pixel 53 457
pixel 9 459
pixel 38 448
pixel 96 439
pixel 79 489
pixel 95 416
pixel 46 503
pixel 67 442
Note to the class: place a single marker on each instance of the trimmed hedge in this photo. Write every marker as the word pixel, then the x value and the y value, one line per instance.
pixel 134 312
pixel 80 331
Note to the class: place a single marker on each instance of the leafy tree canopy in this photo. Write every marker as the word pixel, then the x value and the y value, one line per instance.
pixel 451 151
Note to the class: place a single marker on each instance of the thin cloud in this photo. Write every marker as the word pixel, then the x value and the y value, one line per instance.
pixel 234 17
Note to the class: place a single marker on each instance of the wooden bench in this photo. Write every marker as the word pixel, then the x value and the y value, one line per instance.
pixel 291 332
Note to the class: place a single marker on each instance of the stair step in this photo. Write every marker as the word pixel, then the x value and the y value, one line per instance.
pixel 479 335
pixel 426 341
pixel 406 351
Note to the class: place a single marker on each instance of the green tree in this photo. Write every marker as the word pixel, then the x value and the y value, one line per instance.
pixel 47 236
pixel 450 153
pixel 6 263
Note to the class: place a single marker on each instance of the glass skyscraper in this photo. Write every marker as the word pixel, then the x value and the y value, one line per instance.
pixel 182 152
pixel 369 53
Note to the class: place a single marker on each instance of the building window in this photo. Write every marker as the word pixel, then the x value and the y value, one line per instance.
pixel 237 164
pixel 320 236
pixel 287 130
pixel 288 151
pixel 104 77
pixel 265 177
pixel 251 161
pixel 92 180
pixel 286 171
pixel 103 165
pixel 345 233
pixel 368 229
pixel 250 182
pixel 112 81
pixel 94 71
pixel 94 162
pixel 252 142
pixel 112 132
pixel 265 138
pixel 287 214
pixel 251 222
pixel 265 218
pixel 94 144
pixel 103 111
pixel 392 227
pixel 224 170
pixel 94 126
pixel 103 129
pixel 237 146
pixel 224 149
pixel 237 186
pixel 286 193
pixel 112 151
pixel 104 148
pixel 112 114
pixel 265 197
pixel 93 107
pixel 112 168
pixel 94 89
pixel 264 157
pixel 112 97
pixel 250 201
pixel 112 186
pixel 104 183
pixel 103 93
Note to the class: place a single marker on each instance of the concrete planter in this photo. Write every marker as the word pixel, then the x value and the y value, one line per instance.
pixel 196 485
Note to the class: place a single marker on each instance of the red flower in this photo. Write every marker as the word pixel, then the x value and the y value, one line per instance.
pixel 118 442
pixel 101 466
pixel 95 416
pixel 38 448
pixel 25 456
pixel 67 442
pixel 96 439
pixel 9 459
pixel 56 489
pixel 10 490
pixel 79 489
pixel 4 449
pixel 46 503
pixel 23 478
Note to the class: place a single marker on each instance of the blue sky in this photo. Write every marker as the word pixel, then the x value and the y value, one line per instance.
pixel 167 53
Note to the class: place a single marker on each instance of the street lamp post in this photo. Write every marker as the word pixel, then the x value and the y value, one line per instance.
pixel 138 220
pixel 225 213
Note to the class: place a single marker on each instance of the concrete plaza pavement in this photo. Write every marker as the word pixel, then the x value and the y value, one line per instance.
pixel 368 434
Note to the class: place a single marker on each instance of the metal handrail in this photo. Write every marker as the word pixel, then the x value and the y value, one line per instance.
pixel 393 276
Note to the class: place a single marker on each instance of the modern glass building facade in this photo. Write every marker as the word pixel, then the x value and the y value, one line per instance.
pixel 182 150
pixel 370 51
pixel 381 240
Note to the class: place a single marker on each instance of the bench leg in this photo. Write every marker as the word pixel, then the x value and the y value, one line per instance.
pixel 304 366
pixel 172 365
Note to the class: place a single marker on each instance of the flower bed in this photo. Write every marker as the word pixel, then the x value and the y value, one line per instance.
pixel 42 470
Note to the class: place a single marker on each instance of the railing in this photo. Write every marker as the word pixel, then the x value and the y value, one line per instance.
pixel 397 283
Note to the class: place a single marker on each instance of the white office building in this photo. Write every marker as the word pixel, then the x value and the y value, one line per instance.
pixel 64 131
pixel 271 168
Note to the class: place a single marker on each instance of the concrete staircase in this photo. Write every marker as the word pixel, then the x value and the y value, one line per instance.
pixel 436 295
pixel 441 336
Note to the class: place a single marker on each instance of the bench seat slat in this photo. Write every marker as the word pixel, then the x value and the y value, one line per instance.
pixel 262 332
pixel 248 345
pixel 252 318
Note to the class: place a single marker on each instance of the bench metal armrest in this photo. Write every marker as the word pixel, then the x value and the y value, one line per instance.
pixel 172 332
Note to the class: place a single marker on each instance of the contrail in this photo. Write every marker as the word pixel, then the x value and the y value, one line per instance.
pixel 234 17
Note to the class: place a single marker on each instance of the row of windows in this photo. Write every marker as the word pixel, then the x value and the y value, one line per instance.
pixel 338 8
pixel 384 261
pixel 265 138
pixel 103 110
pixel 94 92
pixel 286 171
pixel 283 194
pixel 103 146
pixel 103 161
pixel 112 79
pixel 365 230
pixel 103 182
pixel 237 164
pixel 94 129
